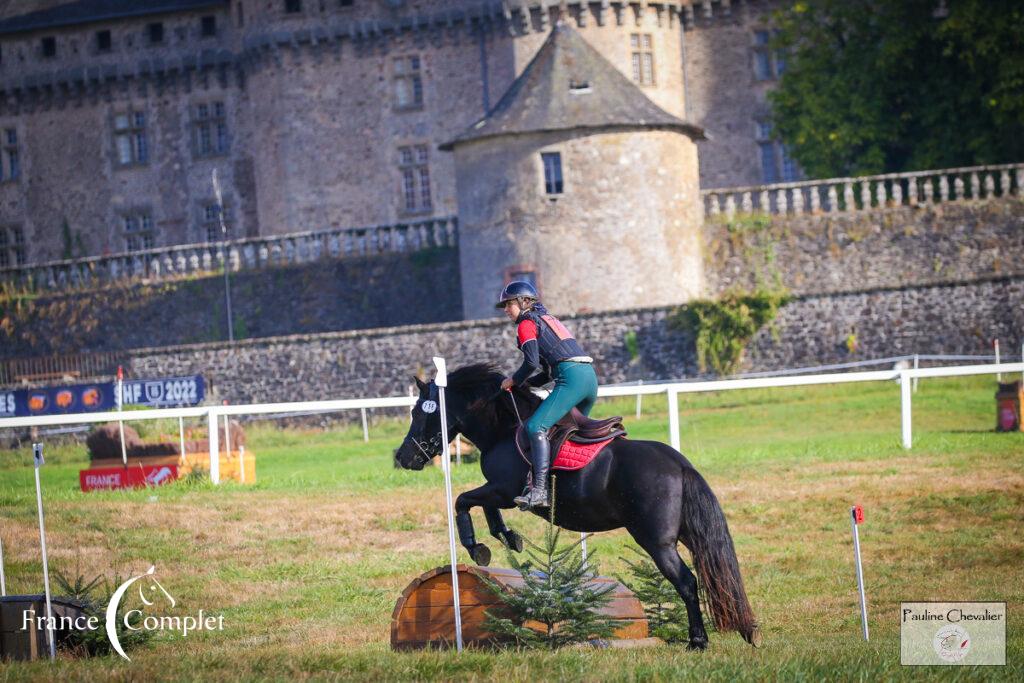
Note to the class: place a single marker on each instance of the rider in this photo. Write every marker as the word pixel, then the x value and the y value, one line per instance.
pixel 549 347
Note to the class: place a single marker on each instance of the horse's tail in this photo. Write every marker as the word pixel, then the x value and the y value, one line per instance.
pixel 704 531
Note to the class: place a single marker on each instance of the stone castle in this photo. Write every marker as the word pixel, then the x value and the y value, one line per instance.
pixel 578 127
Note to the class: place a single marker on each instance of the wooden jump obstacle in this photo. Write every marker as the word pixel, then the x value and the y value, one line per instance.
pixel 21 638
pixel 424 615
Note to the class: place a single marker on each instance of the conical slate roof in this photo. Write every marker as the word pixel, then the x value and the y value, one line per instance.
pixel 567 86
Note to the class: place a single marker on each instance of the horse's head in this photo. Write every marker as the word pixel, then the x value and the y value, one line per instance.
pixel 424 440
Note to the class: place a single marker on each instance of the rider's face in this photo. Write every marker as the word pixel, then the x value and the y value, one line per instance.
pixel 512 309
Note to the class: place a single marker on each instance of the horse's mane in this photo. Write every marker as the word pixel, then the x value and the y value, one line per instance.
pixel 478 383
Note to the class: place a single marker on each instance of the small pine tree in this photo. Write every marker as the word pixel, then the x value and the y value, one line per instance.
pixel 664 609
pixel 557 593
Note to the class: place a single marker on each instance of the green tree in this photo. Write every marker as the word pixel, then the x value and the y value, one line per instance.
pixel 664 609
pixel 558 594
pixel 876 86
pixel 723 328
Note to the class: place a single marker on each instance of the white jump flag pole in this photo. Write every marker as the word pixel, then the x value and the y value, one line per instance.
pixel 37 452
pixel 441 380
pixel 857 517
pixel 120 405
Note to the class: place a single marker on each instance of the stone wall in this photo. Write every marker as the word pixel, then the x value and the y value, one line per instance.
pixel 308 97
pixel 813 329
pixel 370 292
pixel 894 247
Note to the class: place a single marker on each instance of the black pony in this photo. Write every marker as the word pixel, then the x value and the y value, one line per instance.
pixel 644 486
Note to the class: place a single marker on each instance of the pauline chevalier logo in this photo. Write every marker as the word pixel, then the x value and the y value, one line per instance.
pixel 953 633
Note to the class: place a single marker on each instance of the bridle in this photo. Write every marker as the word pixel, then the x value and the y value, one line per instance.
pixel 433 443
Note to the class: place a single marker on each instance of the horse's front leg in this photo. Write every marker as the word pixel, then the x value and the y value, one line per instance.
pixel 487 496
pixel 496 523
pixel 480 553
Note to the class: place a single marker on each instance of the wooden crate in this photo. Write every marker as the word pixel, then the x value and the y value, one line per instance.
pixel 424 614
pixel 230 464
pixel 30 643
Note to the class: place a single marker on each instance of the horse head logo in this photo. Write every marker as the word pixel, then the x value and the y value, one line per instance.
pixel 148 593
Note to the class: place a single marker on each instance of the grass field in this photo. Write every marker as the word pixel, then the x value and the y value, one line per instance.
pixel 306 565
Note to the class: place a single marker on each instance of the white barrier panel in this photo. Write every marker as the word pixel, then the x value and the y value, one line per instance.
pixel 672 390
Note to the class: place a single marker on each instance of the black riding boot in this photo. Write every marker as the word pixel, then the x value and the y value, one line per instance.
pixel 540 454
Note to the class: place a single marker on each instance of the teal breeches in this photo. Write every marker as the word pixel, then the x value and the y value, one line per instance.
pixel 575 387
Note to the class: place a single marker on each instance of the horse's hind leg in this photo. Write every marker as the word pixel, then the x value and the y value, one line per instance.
pixel 496 523
pixel 671 565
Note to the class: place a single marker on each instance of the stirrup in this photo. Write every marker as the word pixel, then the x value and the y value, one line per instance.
pixel 533 500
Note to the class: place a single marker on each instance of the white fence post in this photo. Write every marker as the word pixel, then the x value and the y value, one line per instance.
pixel 995 345
pixel 181 437
pixel 366 429
pixel 673 417
pixel 905 407
pixel 3 579
pixel 916 365
pixel 639 397
pixel 583 548
pixel 214 430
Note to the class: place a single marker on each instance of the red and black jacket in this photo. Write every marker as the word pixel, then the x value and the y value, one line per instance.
pixel 545 342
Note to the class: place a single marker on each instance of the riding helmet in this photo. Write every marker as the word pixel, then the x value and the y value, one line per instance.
pixel 517 289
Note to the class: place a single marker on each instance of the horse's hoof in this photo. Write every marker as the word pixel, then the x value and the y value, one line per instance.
pixel 754 637
pixel 513 541
pixel 697 645
pixel 481 554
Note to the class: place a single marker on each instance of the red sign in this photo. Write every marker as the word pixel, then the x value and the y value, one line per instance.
pixel 106 478
pixel 858 514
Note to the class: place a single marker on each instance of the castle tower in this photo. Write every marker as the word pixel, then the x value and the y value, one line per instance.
pixel 578 181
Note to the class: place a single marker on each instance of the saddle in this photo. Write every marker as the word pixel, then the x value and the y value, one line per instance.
pixel 576 427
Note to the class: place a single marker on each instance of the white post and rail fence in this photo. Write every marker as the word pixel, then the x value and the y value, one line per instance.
pixel 213 414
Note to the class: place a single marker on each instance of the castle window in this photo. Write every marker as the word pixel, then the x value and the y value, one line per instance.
pixel 10 160
pixel 408 83
pixel 552 162
pixel 241 14
pixel 211 227
pixel 49 46
pixel 777 166
pixel 130 141
pixel 156 33
pixel 346 3
pixel 643 58
pixel 12 247
pixel 104 43
pixel 138 231
pixel 208 26
pixel 769 64
pixel 292 6
pixel 415 171
pixel 209 129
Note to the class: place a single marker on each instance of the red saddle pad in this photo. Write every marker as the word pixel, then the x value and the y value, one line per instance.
pixel 574 456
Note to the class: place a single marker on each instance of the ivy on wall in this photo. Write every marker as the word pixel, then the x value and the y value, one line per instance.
pixel 723 328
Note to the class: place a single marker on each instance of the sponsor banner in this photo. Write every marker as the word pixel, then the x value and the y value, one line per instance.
pixel 105 478
pixel 102 396
pixel 952 633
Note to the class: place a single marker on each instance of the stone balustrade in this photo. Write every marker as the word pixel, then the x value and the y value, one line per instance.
pixel 840 195
pixel 242 254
